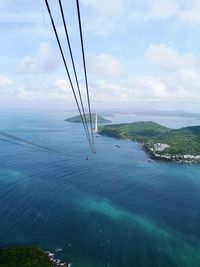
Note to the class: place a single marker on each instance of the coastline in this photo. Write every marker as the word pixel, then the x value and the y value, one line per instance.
pixel 189 159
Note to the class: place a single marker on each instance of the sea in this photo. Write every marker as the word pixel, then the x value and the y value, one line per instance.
pixel 117 208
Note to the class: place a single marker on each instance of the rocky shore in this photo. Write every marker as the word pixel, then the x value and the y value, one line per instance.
pixel 175 158
pixel 56 262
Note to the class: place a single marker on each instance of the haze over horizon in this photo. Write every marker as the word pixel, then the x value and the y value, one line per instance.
pixel 139 55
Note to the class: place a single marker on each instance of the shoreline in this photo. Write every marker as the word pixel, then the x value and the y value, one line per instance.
pixel 55 261
pixel 187 159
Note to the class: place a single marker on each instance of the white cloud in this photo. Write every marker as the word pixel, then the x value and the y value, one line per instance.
pixel 184 11
pixel 179 73
pixel 104 16
pixel 5 82
pixel 147 91
pixel 6 89
pixel 105 65
pixel 162 8
pixel 178 87
pixel 36 90
pixel 168 58
pixel 107 8
pixel 151 88
pixel 142 89
pixel 176 80
pixel 190 13
pixel 62 86
pixel 44 61
pixel 58 89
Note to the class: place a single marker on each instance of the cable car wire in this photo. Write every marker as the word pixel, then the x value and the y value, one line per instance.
pixel 73 64
pixel 67 71
pixel 85 69
pixel 11 142
pixel 13 137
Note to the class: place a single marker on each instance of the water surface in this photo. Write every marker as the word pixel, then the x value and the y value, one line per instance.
pixel 116 209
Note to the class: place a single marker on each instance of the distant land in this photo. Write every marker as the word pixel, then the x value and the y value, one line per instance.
pixel 179 145
pixel 77 119
pixel 167 113
pixel 175 113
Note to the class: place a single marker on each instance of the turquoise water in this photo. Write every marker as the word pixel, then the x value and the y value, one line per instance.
pixel 116 209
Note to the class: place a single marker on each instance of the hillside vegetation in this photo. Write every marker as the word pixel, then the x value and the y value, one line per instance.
pixel 138 131
pixel 77 119
pixel 24 257
pixel 184 141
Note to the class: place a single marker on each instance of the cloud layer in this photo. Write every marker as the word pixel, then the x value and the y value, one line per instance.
pixel 136 51
pixel 184 11
pixel 105 65
pixel 44 61
pixel 176 79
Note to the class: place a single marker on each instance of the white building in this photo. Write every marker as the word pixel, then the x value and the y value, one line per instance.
pixel 160 147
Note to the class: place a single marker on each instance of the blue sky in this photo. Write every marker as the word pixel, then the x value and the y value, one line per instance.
pixel 140 54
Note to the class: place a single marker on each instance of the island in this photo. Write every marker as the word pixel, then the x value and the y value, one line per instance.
pixel 28 256
pixel 100 119
pixel 160 142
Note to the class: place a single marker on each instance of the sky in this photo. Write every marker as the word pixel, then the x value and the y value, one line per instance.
pixel 140 54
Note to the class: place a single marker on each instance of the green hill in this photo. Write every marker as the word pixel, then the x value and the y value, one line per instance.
pixel 77 119
pixel 24 257
pixel 184 141
pixel 139 131
pixel 161 142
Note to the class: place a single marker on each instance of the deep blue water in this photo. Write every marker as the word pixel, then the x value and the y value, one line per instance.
pixel 116 209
